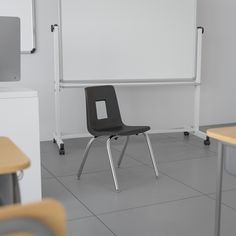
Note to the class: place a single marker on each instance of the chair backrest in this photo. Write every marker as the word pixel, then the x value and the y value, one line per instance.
pixel 43 218
pixel 107 96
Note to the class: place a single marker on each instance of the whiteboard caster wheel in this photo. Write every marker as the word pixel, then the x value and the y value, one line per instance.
pixel 62 150
pixel 207 141
pixel 186 133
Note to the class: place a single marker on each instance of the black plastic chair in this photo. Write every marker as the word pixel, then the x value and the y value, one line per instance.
pixel 111 125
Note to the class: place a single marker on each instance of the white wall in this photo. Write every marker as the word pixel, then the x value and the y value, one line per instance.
pixel 37 69
pixel 219 61
pixel 159 107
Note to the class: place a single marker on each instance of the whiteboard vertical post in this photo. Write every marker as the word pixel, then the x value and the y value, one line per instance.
pixel 57 77
pixel 197 92
pixel 34 26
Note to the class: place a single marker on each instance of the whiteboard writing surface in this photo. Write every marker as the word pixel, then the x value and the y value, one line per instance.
pixel 128 39
pixel 24 9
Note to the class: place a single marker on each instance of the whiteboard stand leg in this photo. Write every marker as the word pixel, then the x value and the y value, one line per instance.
pixel 197 92
pixel 57 75
pixel 197 132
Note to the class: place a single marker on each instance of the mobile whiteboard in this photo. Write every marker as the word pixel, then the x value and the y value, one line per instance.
pixel 25 10
pixel 128 40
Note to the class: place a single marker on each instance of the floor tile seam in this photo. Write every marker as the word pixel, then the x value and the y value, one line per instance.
pixel 194 144
pixel 89 210
pixel 86 207
pixel 184 139
pixel 227 190
pixel 51 177
pixel 210 154
pixel 96 215
pixel 161 162
pixel 223 191
pixel 76 197
pixel 93 172
pixel 149 205
pixel 79 218
pixel 101 221
pixel 203 194
pixel 222 203
pixel 177 180
pixel 92 217
pixel 130 155
pixel 134 158
pixel 123 167
pixel 81 148
pixel 108 170
pixel 102 171
pixel 161 140
pixel 191 143
pixel 192 158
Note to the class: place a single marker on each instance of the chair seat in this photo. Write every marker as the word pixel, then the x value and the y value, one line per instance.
pixel 124 130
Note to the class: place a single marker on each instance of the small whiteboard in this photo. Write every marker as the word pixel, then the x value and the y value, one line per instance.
pixel 25 10
pixel 128 40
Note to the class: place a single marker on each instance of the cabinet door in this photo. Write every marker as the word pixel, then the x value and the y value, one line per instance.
pixel 19 120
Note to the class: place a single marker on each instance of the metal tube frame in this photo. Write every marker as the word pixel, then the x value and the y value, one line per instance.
pixel 219 188
pixel 197 92
pixel 60 84
pixel 150 151
pixel 57 78
pixel 123 152
pixel 85 156
pixel 151 154
pixel 113 170
pixel 9 189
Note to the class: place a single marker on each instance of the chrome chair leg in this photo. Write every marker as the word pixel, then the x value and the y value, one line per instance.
pixel 85 156
pixel 123 151
pixel 112 164
pixel 151 154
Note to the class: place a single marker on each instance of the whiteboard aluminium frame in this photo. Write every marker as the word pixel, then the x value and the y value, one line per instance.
pixel 33 16
pixel 60 84
pixel 34 26
pixel 33 12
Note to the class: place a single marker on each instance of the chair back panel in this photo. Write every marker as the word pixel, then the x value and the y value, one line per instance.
pixel 108 95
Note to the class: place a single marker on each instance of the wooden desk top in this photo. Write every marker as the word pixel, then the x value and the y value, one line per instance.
pixel 12 159
pixel 224 134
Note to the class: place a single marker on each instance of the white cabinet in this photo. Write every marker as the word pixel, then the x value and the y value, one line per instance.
pixel 19 120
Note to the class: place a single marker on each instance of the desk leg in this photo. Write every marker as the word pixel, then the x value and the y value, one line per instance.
pixel 16 189
pixel 219 188
pixel 6 189
pixel 9 189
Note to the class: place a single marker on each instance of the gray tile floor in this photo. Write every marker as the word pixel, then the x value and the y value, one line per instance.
pixel 180 203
